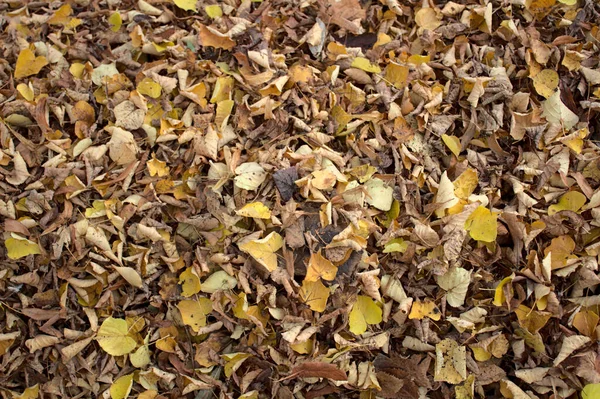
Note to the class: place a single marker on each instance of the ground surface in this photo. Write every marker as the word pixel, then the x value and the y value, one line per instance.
pixel 339 199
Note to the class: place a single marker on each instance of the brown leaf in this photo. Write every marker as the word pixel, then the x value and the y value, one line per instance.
pixel 319 370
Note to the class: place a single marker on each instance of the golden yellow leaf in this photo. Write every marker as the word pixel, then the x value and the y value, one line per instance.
pixel 19 247
pixel 255 210
pixel 234 361
pixel 157 168
pixel 397 74
pixel 545 82
pixel 303 347
pixel 193 312
pixel 115 21
pixel 188 5
pixel 585 322
pixel 365 311
pixel 561 249
pixel 466 183
pixel 482 225
pixel 571 201
pixel 61 16
pixel 427 308
pixel 149 88
pixel 320 267
pixel 28 64
pixel 121 388
pixel 30 393
pixel 263 250
pixel 26 91
pixel 190 282
pixel 453 144
pixel 530 319
pixel 113 337
pixel 314 294
pixel 77 69
pixel 499 297
pixel 365 65
pixel 213 11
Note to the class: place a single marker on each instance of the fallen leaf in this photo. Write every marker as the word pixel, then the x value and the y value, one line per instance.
pixel 121 388
pixel 263 250
pixel 113 337
pixel 28 64
pixel 364 312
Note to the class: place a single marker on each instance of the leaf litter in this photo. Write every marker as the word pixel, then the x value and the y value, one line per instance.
pixel 337 199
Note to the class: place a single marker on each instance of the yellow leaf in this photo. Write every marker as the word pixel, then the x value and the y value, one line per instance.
pixel 530 319
pixel 113 337
pixel 427 308
pixel 188 5
pixel 61 16
pixel 482 225
pixel 590 391
pixel 569 3
pixel 214 11
pixel 545 82
pixel 190 282
pixel 320 267
pixel 466 183
pixel 115 21
pixel 28 64
pixel 445 197
pixel 364 311
pixel 77 69
pixel 561 249
pixel 223 113
pixel 303 347
pixel 234 361
pixel 585 322
pixel 395 245
pixel 453 144
pixel 255 210
pixel 418 59
pixel 499 297
pixel 263 250
pixel 397 74
pixel 121 388
pixel 157 168
pixel 193 313
pixel 450 362
pixel 365 65
pixel 149 88
pixel 571 201
pixel 26 91
pixel 380 195
pixel 30 393
pixel 218 281
pixel 315 295
pixel 19 247
pixel 426 18
pixel 141 357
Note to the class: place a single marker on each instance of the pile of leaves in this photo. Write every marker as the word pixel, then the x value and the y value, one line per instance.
pixel 300 199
